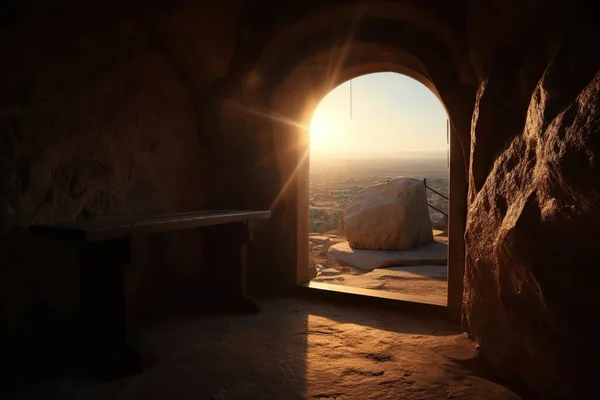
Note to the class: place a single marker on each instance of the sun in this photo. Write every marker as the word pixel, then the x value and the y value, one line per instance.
pixel 318 129
pixel 324 133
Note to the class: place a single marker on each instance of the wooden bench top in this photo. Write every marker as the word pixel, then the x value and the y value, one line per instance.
pixel 120 227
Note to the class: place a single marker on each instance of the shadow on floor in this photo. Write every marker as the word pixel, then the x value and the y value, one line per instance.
pixel 294 348
pixel 481 367
pixel 380 319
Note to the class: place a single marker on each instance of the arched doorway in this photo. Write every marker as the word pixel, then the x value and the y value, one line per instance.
pixel 292 79
pixel 371 139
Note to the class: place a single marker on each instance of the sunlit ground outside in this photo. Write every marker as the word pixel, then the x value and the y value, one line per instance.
pixel 365 133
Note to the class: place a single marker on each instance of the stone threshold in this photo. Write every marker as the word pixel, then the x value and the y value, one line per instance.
pixel 421 305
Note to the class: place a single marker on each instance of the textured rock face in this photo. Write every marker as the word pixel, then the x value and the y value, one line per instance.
pixel 531 282
pixel 95 121
pixel 391 216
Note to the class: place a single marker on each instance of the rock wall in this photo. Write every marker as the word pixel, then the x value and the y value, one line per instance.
pixel 105 110
pixel 531 271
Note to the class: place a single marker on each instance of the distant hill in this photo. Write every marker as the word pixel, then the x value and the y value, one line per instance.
pixel 365 170
pixel 402 155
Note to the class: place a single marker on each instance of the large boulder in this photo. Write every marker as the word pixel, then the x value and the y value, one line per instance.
pixel 390 216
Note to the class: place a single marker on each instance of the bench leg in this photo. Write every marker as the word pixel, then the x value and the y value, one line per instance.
pixel 103 306
pixel 225 267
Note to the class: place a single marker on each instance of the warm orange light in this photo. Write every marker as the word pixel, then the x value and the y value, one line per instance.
pixel 318 129
pixel 324 133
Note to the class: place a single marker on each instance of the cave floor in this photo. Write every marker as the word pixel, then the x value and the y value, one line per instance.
pixel 295 348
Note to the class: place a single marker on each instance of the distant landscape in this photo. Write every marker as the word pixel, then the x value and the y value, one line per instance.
pixel 335 181
pixel 379 155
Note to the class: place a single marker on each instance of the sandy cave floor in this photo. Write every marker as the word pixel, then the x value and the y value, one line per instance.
pixel 296 349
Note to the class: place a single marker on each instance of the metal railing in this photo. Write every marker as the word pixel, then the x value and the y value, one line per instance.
pixel 439 194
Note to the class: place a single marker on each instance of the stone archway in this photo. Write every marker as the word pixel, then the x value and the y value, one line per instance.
pixel 296 96
pixel 302 60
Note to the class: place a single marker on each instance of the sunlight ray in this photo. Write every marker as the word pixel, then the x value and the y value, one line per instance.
pixel 287 183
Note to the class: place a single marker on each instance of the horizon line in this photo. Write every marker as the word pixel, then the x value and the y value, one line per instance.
pixel 383 157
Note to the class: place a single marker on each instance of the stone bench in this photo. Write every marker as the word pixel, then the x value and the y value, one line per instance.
pixel 104 251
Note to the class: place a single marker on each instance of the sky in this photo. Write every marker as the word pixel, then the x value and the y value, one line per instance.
pixel 392 115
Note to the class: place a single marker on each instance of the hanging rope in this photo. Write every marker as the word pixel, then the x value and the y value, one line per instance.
pixel 448 142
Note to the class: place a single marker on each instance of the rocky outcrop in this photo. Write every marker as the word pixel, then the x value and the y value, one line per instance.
pixel 391 216
pixel 434 253
pixel 531 282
